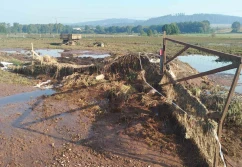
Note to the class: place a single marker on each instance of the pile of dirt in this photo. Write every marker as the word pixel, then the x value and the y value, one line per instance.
pixel 134 68
pixel 124 102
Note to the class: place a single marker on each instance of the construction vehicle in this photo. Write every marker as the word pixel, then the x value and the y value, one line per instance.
pixel 70 39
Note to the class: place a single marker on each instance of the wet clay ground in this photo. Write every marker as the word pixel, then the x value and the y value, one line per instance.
pixel 11 89
pixel 79 128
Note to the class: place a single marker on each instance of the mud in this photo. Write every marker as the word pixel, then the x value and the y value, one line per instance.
pixel 79 128
pixel 111 122
pixel 84 53
pixel 11 89
pixel 232 146
pixel 222 79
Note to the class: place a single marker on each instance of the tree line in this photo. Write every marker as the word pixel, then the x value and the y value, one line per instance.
pixel 35 28
pixel 173 28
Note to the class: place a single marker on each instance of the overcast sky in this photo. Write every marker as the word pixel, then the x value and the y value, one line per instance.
pixel 72 11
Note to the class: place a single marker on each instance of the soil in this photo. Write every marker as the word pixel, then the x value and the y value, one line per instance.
pixel 232 146
pixel 70 53
pixel 79 61
pixel 222 79
pixel 11 89
pixel 72 128
pixel 83 127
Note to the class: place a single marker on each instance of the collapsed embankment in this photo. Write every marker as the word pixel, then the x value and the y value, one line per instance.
pixel 134 70
pixel 192 116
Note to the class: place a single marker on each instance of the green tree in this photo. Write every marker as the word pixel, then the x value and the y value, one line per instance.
pixel 236 26
pixel 171 29
pixel 149 32
pixel 142 33
pixel 129 29
pixel 15 28
pixel 174 28
pixel 3 28
pixel 138 29
pixel 87 28
pixel 50 28
pixel 206 26
pixel 99 30
pixel 166 28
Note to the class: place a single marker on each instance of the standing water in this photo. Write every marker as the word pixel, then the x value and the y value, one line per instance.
pixel 95 56
pixel 205 63
pixel 50 52
pixel 24 97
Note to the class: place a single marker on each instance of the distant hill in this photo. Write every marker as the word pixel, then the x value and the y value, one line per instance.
pixel 110 22
pixel 212 18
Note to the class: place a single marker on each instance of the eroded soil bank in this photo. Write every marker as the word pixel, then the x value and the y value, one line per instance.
pixel 117 121
pixel 92 126
pixel 90 122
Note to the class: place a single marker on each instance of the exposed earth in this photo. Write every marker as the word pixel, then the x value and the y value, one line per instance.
pixel 89 122
pixel 72 128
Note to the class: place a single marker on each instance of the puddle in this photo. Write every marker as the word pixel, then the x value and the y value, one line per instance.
pixel 15 51
pixel 24 97
pixel 95 56
pixel 50 52
pixel 204 63
pixel 58 53
pixel 42 52
pixel 10 52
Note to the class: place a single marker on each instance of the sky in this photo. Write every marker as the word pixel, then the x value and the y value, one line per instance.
pixel 74 11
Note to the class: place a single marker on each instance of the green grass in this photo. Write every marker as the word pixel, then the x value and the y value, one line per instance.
pixel 229 43
pixel 12 78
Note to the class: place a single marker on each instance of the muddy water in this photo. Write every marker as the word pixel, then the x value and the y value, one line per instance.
pixel 24 97
pixel 95 56
pixel 204 63
pixel 18 106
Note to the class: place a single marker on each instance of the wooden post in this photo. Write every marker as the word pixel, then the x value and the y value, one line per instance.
pixel 32 53
pixel 164 52
pixel 225 110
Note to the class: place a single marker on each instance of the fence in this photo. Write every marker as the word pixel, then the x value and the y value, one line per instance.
pixel 236 64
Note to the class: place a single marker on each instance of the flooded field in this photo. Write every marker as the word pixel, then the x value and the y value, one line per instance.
pixel 205 63
pixel 59 53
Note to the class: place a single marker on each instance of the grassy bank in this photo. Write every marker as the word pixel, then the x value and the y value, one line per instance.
pixel 11 78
